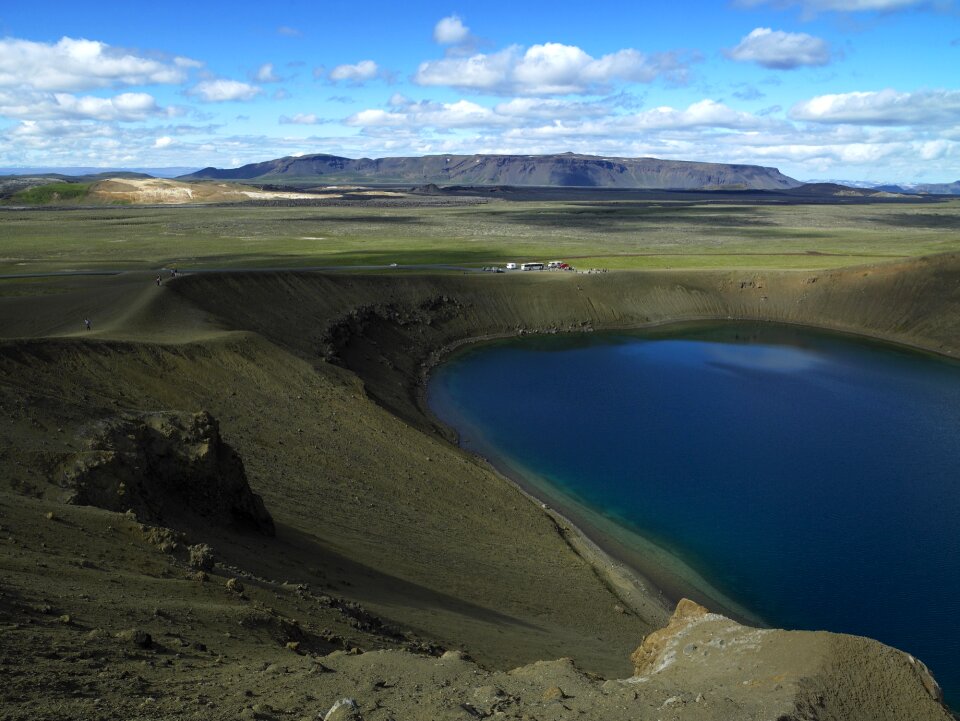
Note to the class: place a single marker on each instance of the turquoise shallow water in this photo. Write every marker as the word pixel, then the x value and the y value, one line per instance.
pixel 813 478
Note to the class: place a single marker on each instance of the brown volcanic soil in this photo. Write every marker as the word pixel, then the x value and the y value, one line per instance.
pixel 387 537
pixel 159 190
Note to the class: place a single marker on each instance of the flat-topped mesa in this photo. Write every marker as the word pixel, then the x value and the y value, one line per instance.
pixel 559 170
pixel 743 672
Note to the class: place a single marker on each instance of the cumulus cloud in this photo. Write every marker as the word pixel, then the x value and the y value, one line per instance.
pixel 163 142
pixel 460 114
pixel 126 107
pixel 85 142
pixel 702 114
pixel 77 64
pixel 357 73
pixel 780 50
pixel 403 112
pixel 450 31
pixel 552 117
pixel 885 107
pixel 220 91
pixel 547 69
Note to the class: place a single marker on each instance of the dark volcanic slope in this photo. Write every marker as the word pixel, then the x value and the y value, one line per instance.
pixel 567 169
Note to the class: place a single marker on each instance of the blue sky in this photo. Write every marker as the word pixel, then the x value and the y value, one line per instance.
pixel 843 89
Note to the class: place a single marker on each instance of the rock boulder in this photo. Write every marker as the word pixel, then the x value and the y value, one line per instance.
pixel 170 468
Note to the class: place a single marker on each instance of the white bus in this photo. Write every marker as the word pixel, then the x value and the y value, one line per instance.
pixel 532 266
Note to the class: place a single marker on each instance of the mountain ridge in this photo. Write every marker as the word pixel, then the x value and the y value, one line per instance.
pixel 564 170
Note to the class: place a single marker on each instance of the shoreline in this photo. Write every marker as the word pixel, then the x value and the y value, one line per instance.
pixel 652 577
pixel 626 559
pixel 658 572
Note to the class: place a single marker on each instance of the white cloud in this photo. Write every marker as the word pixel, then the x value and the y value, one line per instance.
pixel 554 117
pixel 357 73
pixel 702 114
pixel 126 107
pixel 219 91
pixel 265 74
pixel 163 142
pixel 479 72
pixel 780 50
pixel 886 107
pixel 450 31
pixel 935 149
pixel 77 64
pixel 57 129
pixel 460 114
pixel 547 69
pixel 187 63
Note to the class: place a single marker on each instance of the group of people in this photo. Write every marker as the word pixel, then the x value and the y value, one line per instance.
pixel 159 281
pixel 173 274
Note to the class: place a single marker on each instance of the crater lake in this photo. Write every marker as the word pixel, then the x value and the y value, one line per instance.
pixel 794 477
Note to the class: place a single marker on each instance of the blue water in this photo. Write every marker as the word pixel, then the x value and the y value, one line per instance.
pixel 813 478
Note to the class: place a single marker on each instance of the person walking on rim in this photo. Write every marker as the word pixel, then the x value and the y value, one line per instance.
pixel 86 323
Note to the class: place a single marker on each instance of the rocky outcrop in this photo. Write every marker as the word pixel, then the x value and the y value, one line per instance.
pixel 704 659
pixel 168 468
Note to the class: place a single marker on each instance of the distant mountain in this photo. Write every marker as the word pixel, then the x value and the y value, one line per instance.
pixel 938 188
pixel 566 170
pixel 100 172
pixel 839 190
pixel 910 188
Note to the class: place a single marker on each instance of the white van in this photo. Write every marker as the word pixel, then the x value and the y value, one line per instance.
pixel 511 266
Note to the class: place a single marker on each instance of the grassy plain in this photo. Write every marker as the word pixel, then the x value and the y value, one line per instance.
pixel 632 234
